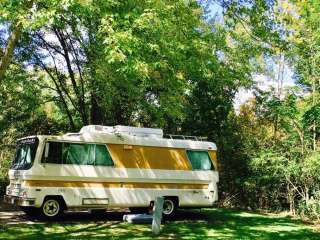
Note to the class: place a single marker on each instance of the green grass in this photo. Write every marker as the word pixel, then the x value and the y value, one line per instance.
pixel 193 224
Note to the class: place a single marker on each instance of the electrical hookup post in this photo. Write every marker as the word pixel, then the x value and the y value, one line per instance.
pixel 157 215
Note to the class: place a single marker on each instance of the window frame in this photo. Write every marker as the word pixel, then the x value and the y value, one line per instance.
pixel 75 142
pixel 200 150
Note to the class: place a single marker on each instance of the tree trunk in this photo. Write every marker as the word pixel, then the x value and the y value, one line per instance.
pixel 71 122
pixel 275 128
pixel 280 75
pixel 314 124
pixel 96 112
pixel 290 196
pixel 307 198
pixel 12 42
pixel 8 52
pixel 78 94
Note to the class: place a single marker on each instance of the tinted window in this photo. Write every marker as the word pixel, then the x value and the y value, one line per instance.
pixel 200 160
pixel 78 153
pixel 55 153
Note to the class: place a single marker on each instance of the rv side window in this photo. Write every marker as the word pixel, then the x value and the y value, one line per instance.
pixel 78 153
pixel 54 153
pixel 102 156
pixel 200 160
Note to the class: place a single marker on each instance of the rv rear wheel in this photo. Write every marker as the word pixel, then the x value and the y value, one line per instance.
pixel 169 207
pixel 51 208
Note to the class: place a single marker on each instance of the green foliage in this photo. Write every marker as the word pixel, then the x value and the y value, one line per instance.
pixel 283 168
pixel 311 116
pixel 140 63
pixel 310 210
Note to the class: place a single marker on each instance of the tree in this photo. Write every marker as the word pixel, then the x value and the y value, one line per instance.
pixel 304 42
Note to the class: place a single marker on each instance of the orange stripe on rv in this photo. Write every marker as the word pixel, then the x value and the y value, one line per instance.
pixel 214 159
pixel 81 184
pixel 146 157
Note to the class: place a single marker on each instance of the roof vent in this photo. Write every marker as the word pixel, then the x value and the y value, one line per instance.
pixel 124 130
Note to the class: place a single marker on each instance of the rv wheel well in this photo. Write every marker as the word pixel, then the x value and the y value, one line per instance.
pixel 57 197
pixel 175 199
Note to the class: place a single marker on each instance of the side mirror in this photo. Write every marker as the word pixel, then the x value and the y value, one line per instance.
pixel 46 152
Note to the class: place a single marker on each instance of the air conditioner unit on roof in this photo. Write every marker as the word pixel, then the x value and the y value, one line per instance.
pixel 127 130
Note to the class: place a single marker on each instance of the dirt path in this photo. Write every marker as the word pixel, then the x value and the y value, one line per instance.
pixel 11 215
pixel 14 216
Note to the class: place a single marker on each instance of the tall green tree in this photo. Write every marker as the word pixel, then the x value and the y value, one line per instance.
pixel 304 39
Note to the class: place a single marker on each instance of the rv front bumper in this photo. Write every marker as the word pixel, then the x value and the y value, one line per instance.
pixel 19 201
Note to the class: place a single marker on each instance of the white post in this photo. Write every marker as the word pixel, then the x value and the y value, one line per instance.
pixel 157 215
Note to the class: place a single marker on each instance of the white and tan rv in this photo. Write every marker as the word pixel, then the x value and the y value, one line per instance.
pixel 112 167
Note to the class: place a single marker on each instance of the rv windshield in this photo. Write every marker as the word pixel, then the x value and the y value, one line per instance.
pixel 25 154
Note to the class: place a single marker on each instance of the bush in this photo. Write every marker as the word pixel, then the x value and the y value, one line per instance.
pixel 311 209
pixel 5 162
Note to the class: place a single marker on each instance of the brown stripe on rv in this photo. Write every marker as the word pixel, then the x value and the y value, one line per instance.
pixel 81 184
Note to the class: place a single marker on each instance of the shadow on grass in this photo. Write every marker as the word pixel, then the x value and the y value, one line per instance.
pixel 232 224
pixel 187 224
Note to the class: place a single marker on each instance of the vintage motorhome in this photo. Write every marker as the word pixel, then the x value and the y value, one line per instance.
pixel 108 167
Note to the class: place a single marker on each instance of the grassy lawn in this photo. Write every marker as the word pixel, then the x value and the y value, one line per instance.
pixel 193 224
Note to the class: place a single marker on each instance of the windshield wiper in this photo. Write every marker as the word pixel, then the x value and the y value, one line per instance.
pixel 14 166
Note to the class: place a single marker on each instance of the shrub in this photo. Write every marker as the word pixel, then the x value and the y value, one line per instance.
pixel 5 161
pixel 310 209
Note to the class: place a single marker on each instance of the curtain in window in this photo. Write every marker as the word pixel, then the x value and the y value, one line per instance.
pixel 200 160
pixel 80 154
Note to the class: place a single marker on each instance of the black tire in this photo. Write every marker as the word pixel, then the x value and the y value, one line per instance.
pixel 30 211
pixel 170 206
pixel 139 210
pixel 52 208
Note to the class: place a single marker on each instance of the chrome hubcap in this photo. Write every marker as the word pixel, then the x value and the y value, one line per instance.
pixel 51 208
pixel 168 207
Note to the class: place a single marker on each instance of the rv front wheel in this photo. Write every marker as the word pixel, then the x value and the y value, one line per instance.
pixel 169 207
pixel 51 208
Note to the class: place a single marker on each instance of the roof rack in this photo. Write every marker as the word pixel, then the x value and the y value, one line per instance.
pixel 126 130
pixel 186 137
pixel 72 134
